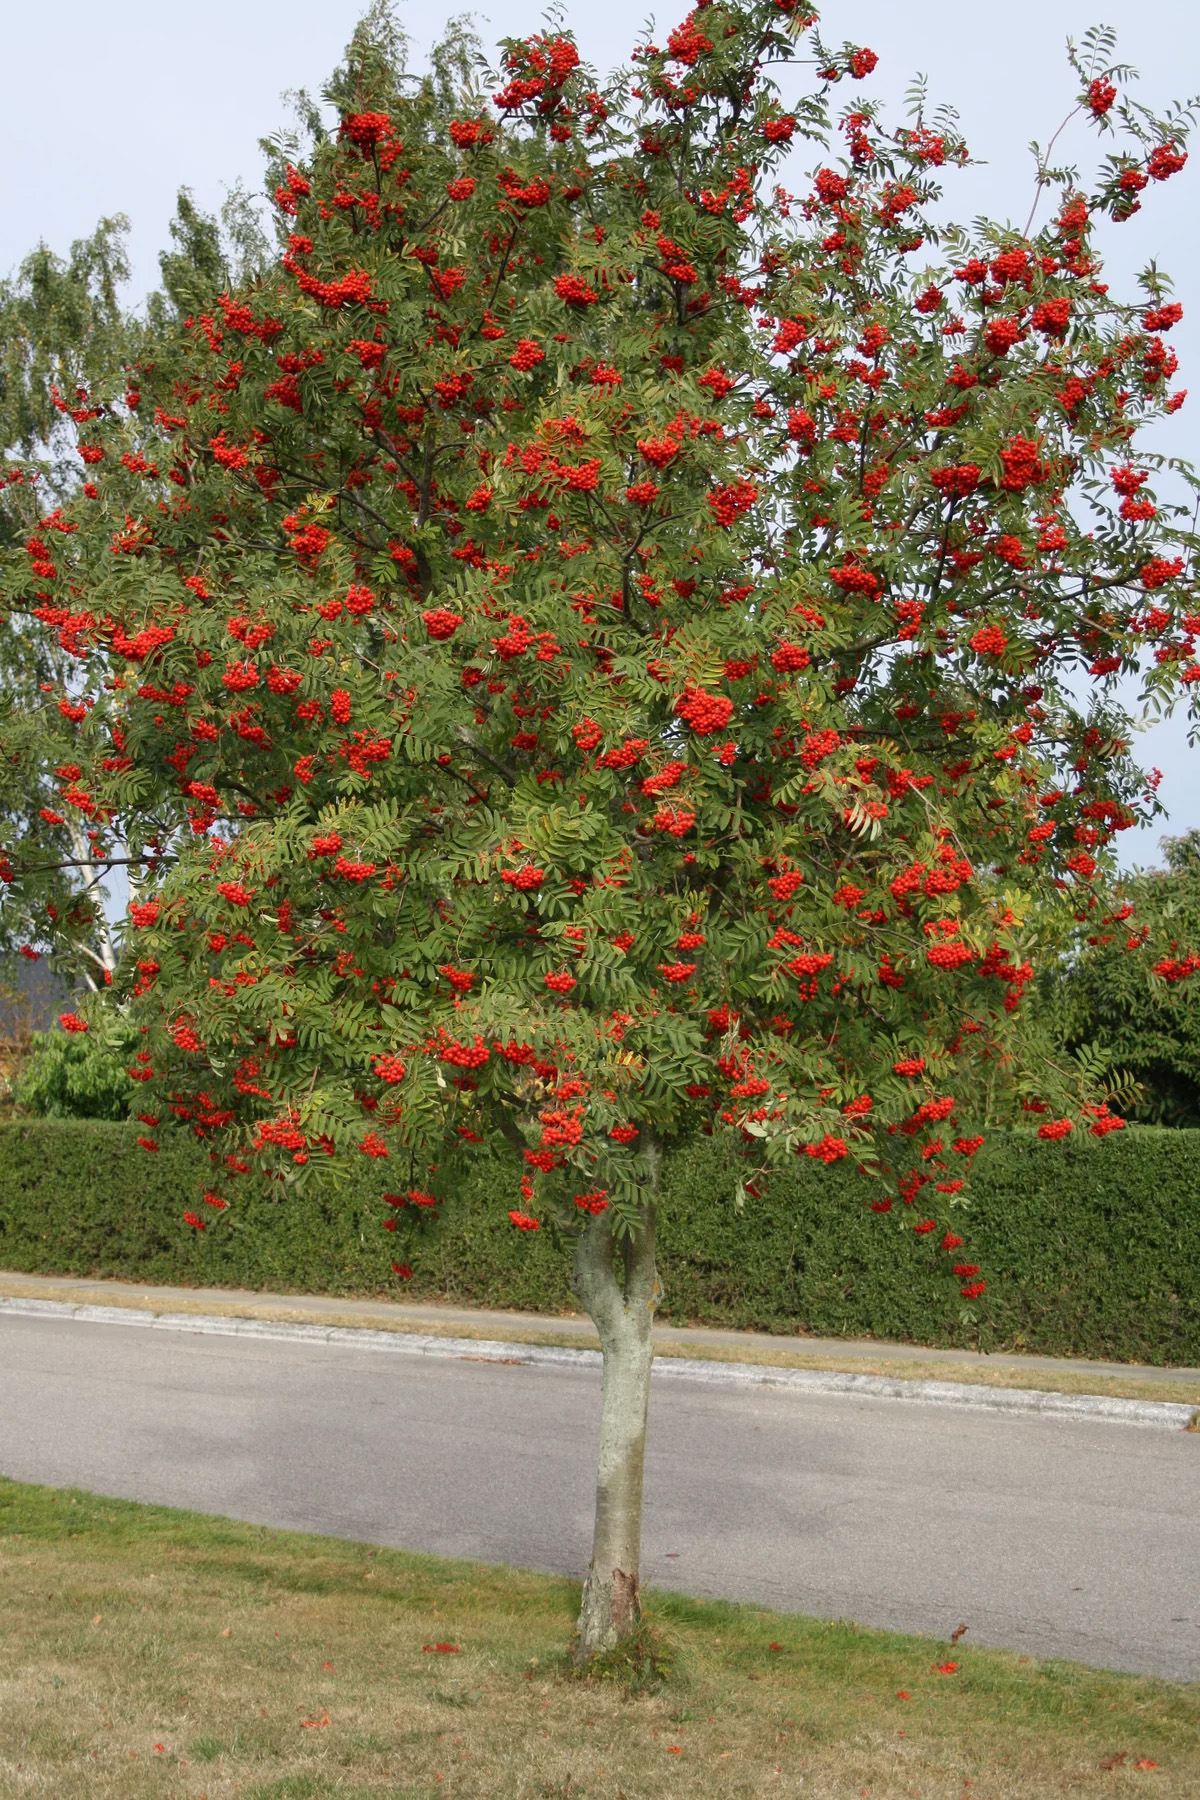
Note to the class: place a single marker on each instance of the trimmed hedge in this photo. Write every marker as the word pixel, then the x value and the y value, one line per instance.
pixel 1090 1249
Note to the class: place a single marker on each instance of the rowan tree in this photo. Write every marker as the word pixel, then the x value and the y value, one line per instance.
pixel 588 648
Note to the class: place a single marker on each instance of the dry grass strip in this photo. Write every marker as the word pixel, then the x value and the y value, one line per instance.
pixel 756 1351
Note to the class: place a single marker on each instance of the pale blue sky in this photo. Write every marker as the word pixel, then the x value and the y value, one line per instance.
pixel 111 107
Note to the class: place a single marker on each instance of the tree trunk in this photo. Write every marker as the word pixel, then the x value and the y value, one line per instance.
pixel 104 956
pixel 624 1316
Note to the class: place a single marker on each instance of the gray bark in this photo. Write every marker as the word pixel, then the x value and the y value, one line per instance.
pixel 623 1313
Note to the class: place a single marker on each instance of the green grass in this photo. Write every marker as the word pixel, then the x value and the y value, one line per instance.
pixel 151 1652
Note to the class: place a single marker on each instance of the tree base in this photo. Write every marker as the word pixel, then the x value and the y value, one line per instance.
pixel 610 1613
pixel 638 1663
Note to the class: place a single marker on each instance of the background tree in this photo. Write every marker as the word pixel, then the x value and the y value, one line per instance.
pixel 1130 988
pixel 63 332
pixel 66 335
pixel 71 1076
pixel 586 649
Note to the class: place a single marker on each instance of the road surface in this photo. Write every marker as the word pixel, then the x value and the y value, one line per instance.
pixel 1046 1536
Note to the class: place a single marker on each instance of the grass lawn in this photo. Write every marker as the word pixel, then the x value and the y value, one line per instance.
pixel 150 1652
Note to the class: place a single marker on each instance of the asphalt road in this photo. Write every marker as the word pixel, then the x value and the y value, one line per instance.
pixel 1047 1536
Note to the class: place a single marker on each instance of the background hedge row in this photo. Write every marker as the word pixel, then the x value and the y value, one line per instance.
pixel 1090 1249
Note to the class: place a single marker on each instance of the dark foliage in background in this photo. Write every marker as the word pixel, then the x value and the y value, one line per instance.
pixel 1151 1028
pixel 1093 1248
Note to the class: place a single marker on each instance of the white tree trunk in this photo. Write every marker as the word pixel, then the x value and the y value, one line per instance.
pixel 103 953
pixel 623 1313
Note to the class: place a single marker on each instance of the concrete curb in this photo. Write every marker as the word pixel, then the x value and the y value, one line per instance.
pixel 1166 1415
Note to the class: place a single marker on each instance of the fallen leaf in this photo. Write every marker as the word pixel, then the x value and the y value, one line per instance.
pixel 316 1724
pixel 902 1695
pixel 1117 1757
pixel 957 1633
pixel 97 1618
pixel 946 1669
pixel 228 1631
pixel 774 1646
pixel 677 1750
pixel 1146 1763
pixel 444 1649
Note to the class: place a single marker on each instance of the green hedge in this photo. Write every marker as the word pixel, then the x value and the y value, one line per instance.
pixel 1090 1249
